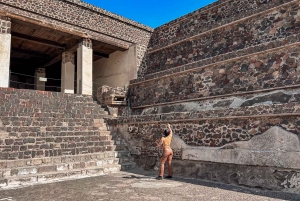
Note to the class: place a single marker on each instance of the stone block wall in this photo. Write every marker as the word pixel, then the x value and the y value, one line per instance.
pixel 208 18
pixel 221 76
pixel 250 73
pixel 261 28
pixel 5 25
pixel 214 128
pixel 36 124
pixel 207 138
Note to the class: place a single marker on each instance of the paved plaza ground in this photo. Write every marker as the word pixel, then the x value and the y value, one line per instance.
pixel 140 185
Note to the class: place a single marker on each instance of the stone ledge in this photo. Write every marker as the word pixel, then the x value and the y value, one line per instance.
pixel 288 42
pixel 273 148
pixel 288 109
pixel 51 177
pixel 244 157
pixel 262 177
pixel 55 160
pixel 218 97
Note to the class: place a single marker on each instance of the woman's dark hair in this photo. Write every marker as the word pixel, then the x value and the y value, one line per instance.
pixel 166 133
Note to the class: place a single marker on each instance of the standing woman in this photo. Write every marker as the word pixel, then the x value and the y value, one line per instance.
pixel 167 155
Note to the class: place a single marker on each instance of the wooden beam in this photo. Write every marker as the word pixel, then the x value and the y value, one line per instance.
pixel 37 40
pixel 101 54
pixel 29 52
pixel 53 60
pixel 59 57
pixel 72 47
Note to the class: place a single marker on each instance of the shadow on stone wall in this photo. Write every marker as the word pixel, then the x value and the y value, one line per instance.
pixel 267 161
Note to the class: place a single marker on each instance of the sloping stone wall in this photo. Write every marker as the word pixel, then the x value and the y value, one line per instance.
pixel 252 73
pixel 267 26
pixel 207 18
pixel 221 75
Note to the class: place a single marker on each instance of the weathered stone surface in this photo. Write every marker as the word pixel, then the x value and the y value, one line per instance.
pixel 243 102
pixel 111 96
pixel 274 148
pixel 116 29
pixel 207 82
pixel 207 18
pixel 275 139
pixel 267 27
pixel 270 178
pixel 227 82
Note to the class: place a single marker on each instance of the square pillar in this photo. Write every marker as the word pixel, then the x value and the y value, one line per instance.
pixel 85 68
pixel 5 48
pixel 67 72
pixel 40 79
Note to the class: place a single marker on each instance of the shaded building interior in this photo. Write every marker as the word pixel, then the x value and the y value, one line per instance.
pixel 36 47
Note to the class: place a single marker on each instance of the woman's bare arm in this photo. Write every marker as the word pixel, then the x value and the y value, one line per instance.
pixel 170 130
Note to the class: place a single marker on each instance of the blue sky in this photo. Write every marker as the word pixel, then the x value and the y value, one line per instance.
pixel 151 12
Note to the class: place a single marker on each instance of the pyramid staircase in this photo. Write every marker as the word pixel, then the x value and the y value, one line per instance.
pixel 49 136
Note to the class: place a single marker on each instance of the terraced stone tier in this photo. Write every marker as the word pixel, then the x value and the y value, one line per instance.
pixel 207 18
pixel 18 172
pixel 268 26
pixel 253 73
pixel 49 136
pixel 208 128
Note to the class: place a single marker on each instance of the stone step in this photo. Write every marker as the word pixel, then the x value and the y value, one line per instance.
pixel 54 160
pixel 51 150
pixel 119 142
pixel 6 164
pixel 36 121
pixel 24 132
pixel 38 169
pixel 21 97
pixel 50 102
pixel 121 154
pixel 19 144
pixel 120 147
pixel 49 115
pixel 53 111
pixel 50 177
pixel 47 124
pixel 52 114
pixel 7 105
pixel 104 132
pixel 30 128
pixel 103 135
pixel 128 166
pixel 127 159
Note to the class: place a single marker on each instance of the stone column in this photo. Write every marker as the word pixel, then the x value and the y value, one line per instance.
pixel 67 72
pixel 5 48
pixel 85 68
pixel 40 79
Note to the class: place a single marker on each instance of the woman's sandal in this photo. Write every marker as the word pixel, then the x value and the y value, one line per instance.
pixel 159 178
